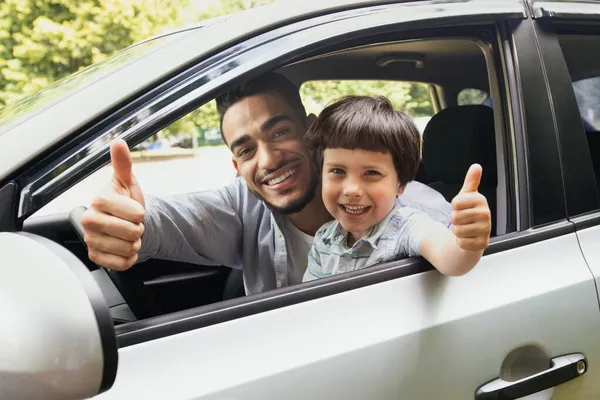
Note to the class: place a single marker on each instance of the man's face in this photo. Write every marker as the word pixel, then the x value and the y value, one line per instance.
pixel 265 136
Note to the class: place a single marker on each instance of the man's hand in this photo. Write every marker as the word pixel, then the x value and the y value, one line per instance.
pixel 471 216
pixel 112 225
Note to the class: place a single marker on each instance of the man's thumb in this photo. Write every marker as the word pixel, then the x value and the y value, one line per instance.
pixel 472 179
pixel 120 157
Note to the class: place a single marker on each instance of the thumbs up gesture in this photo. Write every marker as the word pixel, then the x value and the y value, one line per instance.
pixel 471 216
pixel 112 225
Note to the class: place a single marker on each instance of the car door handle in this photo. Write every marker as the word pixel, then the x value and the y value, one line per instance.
pixel 563 369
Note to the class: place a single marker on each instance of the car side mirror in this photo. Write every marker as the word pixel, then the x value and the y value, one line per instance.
pixel 57 339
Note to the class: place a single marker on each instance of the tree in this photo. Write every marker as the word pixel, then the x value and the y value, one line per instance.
pixel 410 97
pixel 42 41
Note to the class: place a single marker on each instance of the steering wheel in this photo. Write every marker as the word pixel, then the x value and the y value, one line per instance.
pixel 128 284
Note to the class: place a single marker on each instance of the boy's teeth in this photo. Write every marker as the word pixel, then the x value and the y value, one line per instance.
pixel 281 178
pixel 355 209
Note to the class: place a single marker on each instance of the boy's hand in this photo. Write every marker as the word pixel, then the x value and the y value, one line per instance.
pixel 471 216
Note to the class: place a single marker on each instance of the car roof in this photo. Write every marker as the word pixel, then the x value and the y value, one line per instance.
pixel 39 130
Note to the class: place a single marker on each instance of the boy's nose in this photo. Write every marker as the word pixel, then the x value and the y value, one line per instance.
pixel 352 190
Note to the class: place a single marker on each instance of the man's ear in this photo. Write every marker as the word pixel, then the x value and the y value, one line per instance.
pixel 235 164
pixel 310 119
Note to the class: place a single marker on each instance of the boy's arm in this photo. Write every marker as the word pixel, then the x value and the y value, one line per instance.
pixel 457 253
pixel 440 247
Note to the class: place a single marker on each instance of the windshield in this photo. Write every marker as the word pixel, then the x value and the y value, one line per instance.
pixel 31 105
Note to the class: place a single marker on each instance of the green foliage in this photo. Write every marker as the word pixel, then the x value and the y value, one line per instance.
pixel 42 41
pixel 471 96
pixel 411 97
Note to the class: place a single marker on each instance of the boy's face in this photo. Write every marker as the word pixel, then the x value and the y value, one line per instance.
pixel 359 188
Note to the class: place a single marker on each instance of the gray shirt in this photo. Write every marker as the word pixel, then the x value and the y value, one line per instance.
pixel 230 226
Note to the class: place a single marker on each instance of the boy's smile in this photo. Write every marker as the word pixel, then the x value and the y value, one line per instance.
pixel 359 188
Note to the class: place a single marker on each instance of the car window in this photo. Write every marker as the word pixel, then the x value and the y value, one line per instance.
pixel 587 92
pixel 585 77
pixel 189 156
pixel 411 97
pixel 471 96
pixel 186 156
pixel 33 104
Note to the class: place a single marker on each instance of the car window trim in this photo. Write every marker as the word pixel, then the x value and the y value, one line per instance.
pixel 42 183
pixel 564 10
pixel 581 194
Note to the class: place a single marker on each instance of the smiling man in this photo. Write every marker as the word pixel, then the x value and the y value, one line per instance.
pixel 263 222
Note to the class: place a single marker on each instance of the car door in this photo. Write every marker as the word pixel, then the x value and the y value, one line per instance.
pixel 527 313
pixel 569 32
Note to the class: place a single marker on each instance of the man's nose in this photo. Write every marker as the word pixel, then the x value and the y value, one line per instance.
pixel 268 157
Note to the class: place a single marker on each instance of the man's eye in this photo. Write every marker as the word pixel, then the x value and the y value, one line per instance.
pixel 243 152
pixel 281 132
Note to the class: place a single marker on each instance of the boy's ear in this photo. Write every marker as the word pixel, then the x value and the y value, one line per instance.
pixel 400 189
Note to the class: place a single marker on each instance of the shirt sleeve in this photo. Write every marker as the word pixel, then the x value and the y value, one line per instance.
pixel 421 197
pixel 412 227
pixel 201 228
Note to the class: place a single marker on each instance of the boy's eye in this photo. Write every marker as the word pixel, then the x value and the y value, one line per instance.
pixel 373 173
pixel 336 171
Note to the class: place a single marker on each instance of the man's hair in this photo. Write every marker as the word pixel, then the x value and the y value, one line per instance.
pixel 269 82
pixel 367 123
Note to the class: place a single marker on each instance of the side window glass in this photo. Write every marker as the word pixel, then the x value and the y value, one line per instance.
pixel 411 97
pixel 587 92
pixel 473 96
pixel 177 159
pixel 586 85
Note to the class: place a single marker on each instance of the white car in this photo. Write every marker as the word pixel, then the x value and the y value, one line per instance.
pixel 524 322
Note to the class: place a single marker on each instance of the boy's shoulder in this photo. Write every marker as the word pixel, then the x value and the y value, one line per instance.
pixel 402 215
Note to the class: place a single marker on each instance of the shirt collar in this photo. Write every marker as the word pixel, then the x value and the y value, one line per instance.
pixel 339 234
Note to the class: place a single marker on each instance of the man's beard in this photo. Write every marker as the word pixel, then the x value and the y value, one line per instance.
pixel 298 205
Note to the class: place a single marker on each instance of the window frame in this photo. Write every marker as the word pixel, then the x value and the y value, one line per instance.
pixel 581 195
pixel 203 81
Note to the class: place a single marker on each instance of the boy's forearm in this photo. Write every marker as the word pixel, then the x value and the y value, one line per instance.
pixel 442 251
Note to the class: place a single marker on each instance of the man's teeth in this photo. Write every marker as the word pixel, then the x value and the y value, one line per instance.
pixel 281 178
pixel 355 209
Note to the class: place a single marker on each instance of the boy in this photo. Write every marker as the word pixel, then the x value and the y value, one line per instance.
pixel 367 153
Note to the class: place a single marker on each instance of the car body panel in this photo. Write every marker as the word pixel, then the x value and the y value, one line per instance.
pixel 420 337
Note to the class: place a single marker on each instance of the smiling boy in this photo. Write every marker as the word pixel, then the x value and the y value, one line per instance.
pixel 367 153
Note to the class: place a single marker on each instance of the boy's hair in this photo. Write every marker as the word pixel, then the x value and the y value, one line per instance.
pixel 269 82
pixel 367 123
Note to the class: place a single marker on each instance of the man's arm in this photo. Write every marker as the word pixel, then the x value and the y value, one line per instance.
pixel 200 228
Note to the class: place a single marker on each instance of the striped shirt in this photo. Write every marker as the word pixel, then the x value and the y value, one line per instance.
pixel 397 236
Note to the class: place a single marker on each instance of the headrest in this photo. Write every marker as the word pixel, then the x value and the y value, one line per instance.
pixel 457 137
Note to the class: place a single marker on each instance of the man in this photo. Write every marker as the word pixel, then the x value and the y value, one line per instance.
pixel 265 220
